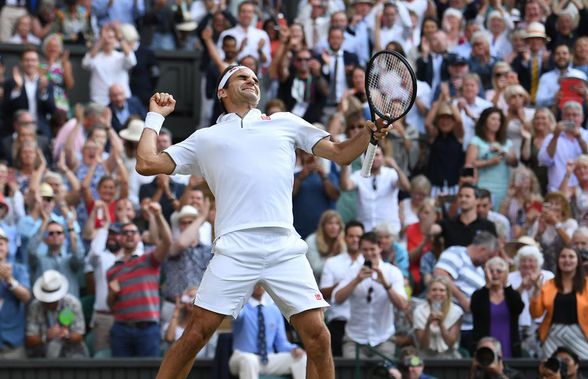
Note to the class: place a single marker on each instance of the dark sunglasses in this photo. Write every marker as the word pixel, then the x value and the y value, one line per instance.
pixel 129 232
pixel 47 199
pixel 369 295
pixel 374 183
pixel 54 233
pixel 303 59
pixel 501 74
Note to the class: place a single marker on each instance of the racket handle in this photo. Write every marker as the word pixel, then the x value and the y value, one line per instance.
pixel 366 167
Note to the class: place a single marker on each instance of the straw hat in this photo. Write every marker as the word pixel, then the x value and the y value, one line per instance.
pixel 511 248
pixel 186 211
pixel 444 109
pixel 133 131
pixel 46 190
pixel 535 30
pixel 50 287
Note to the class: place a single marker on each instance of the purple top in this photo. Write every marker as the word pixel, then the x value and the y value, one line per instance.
pixel 500 326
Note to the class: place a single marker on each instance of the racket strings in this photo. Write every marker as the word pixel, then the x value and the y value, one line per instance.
pixel 390 85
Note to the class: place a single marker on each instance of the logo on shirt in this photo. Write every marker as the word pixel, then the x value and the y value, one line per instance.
pixel 265 117
pixel 318 296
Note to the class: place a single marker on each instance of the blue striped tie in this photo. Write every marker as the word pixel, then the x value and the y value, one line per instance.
pixel 261 335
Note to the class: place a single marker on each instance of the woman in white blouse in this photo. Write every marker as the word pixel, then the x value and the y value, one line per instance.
pixel 437 322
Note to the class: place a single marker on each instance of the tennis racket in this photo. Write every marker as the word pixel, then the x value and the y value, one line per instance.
pixel 390 85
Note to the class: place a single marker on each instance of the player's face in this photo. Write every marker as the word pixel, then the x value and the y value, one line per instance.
pixel 243 88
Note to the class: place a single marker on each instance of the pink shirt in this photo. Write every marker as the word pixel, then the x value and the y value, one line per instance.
pixel 62 135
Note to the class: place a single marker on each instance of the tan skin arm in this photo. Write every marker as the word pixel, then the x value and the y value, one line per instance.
pixel 152 162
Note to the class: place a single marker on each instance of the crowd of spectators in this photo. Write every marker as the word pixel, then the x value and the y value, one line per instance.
pixel 471 231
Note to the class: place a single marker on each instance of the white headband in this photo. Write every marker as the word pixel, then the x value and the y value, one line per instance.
pixel 226 77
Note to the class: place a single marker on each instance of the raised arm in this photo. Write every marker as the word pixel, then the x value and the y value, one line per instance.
pixel 164 237
pixel 343 153
pixel 149 160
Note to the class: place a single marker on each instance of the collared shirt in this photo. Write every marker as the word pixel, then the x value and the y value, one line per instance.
pixel 567 149
pixel 372 322
pixel 549 85
pixel 253 36
pixel 456 233
pixel 377 198
pixel 334 271
pixel 138 299
pixel 185 270
pixel 12 310
pixel 122 114
pixel 241 158
pixel 67 261
pixel 466 276
pixel 98 261
pixel 107 69
pixel 245 329
pixel 40 319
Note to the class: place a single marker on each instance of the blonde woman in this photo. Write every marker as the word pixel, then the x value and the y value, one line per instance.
pixel 500 74
pixel 326 242
pixel 58 69
pixel 518 115
pixel 437 322
pixel 577 195
pixel 420 188
pixel 542 125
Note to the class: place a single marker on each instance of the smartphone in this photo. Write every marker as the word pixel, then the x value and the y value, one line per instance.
pixel 570 126
pixel 436 306
pixel 368 264
pixel 467 171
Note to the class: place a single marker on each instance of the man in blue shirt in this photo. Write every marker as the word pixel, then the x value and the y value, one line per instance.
pixel 260 345
pixel 14 294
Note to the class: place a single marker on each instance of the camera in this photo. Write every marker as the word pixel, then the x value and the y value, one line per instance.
pixel 556 365
pixel 367 264
pixel 569 126
pixel 485 356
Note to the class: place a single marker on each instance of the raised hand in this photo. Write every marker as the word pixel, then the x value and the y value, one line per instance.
pixel 17 77
pixel 162 103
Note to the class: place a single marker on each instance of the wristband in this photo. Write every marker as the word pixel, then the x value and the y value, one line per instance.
pixel 12 284
pixel 154 121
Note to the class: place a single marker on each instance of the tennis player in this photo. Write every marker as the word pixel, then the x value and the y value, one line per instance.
pixel 248 161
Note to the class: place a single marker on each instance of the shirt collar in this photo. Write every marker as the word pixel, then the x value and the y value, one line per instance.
pixel 253 113
pixel 254 302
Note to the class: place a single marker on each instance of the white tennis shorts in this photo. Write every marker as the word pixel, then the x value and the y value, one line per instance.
pixel 273 257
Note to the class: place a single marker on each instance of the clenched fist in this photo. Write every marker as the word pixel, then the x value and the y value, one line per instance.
pixel 162 103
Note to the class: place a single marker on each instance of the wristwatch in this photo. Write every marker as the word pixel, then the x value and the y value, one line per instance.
pixel 12 284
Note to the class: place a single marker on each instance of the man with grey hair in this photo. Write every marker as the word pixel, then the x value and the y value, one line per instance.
pixel 580 244
pixel 566 143
pixel 462 265
pixel 488 362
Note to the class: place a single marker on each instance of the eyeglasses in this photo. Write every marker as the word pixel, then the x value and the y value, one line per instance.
pixel 302 59
pixel 54 233
pixel 501 74
pixel 47 199
pixel 128 233
pixel 369 295
pixel 374 183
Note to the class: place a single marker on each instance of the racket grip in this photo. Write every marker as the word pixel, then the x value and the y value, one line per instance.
pixel 366 167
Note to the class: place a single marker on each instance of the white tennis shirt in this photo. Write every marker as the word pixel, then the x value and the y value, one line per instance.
pixel 248 164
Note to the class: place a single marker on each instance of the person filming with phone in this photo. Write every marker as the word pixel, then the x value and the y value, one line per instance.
pixel 566 143
pixel 373 290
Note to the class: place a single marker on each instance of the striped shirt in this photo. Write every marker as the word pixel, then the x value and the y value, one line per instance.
pixel 138 299
pixel 466 276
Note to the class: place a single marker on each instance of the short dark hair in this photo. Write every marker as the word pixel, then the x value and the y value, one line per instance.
pixel 230 67
pixel 246 2
pixel 353 224
pixel 229 38
pixel 29 49
pixel 568 351
pixel 484 194
pixel 473 187
pixel 53 222
pixel 370 237
pixel 124 225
